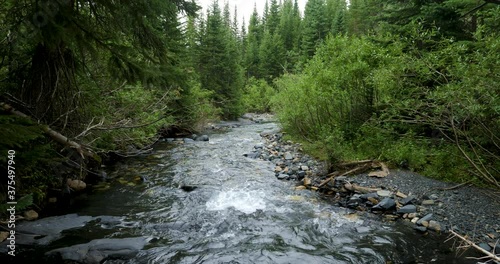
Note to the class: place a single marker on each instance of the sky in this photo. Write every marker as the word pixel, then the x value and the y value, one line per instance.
pixel 245 7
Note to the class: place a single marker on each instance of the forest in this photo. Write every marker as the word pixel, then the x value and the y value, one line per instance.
pixel 414 83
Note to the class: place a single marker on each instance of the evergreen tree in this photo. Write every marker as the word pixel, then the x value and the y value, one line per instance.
pixel 289 31
pixel 274 17
pixel 272 56
pixel 314 27
pixel 220 69
pixel 56 45
pixel 253 38
pixel 336 10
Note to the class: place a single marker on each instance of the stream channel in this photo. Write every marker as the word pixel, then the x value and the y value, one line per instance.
pixel 239 213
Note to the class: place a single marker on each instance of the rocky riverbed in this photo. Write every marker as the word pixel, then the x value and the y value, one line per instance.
pixel 401 195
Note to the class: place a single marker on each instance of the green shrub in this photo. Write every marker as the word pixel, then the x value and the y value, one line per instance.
pixel 257 96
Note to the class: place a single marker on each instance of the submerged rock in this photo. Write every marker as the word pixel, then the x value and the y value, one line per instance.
pixel 101 249
pixel 202 138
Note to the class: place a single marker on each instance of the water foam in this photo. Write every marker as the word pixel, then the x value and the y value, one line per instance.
pixel 246 201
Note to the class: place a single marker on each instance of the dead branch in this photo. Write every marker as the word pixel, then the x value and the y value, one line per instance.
pixel 457 143
pixel 335 174
pixel 56 136
pixel 352 163
pixel 360 189
pixel 471 244
pixel 454 187
pixel 331 176
pixel 90 127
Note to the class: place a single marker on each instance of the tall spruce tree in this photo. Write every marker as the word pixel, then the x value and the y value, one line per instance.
pixel 252 60
pixel 220 69
pixel 55 44
pixel 314 27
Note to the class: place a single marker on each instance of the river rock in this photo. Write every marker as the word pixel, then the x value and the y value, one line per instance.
pixel 427 202
pixel 421 229
pixel 365 196
pixel 384 193
pixel 409 199
pixel 485 246
pixel 426 218
pixel 30 215
pixel 354 202
pixel 3 236
pixel 76 185
pixel 282 176
pixel 202 138
pixel 384 205
pixel 412 215
pixel 252 155
pixel 259 146
pixel 188 140
pixel 407 209
pixel 99 250
pixel 288 156
pixel 434 225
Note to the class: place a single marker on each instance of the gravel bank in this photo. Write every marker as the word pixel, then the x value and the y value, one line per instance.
pixel 466 209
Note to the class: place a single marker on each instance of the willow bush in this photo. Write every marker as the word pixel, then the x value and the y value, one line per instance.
pixel 336 94
pixel 433 110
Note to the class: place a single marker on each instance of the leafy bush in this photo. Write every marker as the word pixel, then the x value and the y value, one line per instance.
pixel 257 96
pixel 434 111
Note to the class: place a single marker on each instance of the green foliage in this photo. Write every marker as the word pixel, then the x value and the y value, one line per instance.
pixel 23 203
pixel 200 107
pixel 434 111
pixel 257 96
pixel 138 113
pixel 219 64
pixel 336 92
pixel 34 158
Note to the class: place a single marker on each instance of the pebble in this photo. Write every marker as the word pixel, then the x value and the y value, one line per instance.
pixel 283 176
pixel 426 218
pixel 30 215
pixel 434 225
pixel 427 202
pixel 384 193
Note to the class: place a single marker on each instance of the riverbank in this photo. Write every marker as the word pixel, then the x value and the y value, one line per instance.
pixel 401 195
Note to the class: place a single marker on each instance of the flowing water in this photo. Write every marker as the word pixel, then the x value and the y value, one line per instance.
pixel 239 212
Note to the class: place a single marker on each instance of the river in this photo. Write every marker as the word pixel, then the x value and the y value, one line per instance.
pixel 236 212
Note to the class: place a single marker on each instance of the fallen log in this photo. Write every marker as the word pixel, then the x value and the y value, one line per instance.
pixel 352 163
pixel 56 136
pixel 360 189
